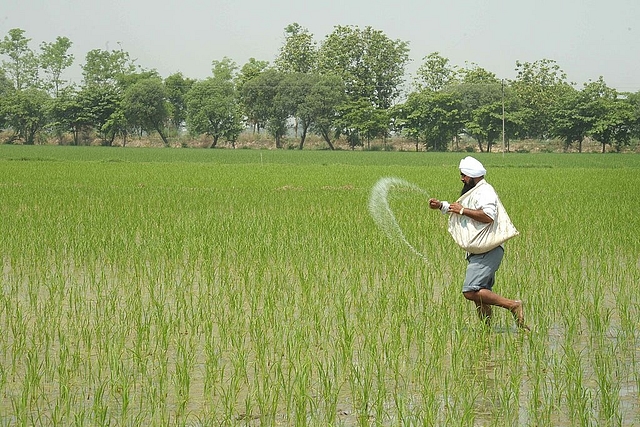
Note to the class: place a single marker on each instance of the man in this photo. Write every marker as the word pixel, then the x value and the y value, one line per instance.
pixel 481 208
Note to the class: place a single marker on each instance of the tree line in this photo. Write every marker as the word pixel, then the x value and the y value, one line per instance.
pixel 352 85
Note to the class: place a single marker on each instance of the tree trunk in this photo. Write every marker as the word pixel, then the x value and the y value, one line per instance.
pixel 303 137
pixel 325 136
pixel 162 135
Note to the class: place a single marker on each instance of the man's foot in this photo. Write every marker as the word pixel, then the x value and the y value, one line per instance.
pixel 518 315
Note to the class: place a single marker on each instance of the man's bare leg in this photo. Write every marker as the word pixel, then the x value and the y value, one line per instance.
pixel 484 312
pixel 487 297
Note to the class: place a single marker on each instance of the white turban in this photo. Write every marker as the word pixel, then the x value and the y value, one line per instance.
pixel 472 168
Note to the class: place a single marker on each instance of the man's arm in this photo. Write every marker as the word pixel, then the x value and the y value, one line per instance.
pixel 437 204
pixel 457 208
pixel 476 214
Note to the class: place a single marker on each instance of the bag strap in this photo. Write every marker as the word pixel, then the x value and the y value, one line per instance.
pixel 470 192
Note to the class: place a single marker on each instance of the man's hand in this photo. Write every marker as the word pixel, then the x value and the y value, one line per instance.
pixel 455 208
pixel 435 204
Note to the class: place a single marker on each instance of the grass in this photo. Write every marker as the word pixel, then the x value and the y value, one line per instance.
pixel 251 287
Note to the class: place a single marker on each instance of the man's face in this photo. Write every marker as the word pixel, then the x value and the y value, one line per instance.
pixel 468 183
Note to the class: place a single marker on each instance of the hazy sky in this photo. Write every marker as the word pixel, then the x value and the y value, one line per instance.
pixel 587 38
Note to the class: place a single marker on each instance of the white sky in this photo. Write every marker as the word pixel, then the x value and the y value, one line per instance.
pixel 587 38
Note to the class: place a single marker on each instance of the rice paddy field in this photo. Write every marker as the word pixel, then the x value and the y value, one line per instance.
pixel 186 287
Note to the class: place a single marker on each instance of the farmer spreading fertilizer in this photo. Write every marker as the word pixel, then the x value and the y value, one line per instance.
pixel 479 224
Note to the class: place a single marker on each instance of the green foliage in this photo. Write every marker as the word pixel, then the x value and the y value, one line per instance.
pixel 538 87
pixel 435 73
pixel 54 59
pixel 434 118
pixel 614 126
pixel 633 102
pixel 360 121
pixel 103 67
pixel 213 110
pixel 485 125
pixel 346 86
pixel 224 70
pixel 481 96
pixel 265 98
pixel 67 113
pixel 177 87
pixel 320 107
pixel 250 70
pixel 595 111
pixel 6 87
pixel 22 67
pixel 26 112
pixel 144 105
pixel 370 63
pixel 98 103
pixel 299 53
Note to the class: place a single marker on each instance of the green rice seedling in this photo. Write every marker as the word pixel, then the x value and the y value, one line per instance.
pixel 185 358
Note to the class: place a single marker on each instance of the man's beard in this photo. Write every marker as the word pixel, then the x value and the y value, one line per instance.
pixel 466 187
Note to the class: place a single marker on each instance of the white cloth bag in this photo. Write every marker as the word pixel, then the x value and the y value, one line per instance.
pixel 476 237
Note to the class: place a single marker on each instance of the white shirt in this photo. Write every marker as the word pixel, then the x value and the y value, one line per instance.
pixel 485 198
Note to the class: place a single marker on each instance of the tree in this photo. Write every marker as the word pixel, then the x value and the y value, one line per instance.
pixel 538 86
pixel 434 118
pixel 435 73
pixel 66 113
pixel 614 119
pixel 54 59
pixel 106 77
pixel 371 65
pixel 104 67
pixel 177 87
pixel 299 53
pixel 574 116
pixel 633 100
pixel 248 72
pixel 614 128
pixel 361 121
pixel 310 98
pixel 265 97
pixel 325 99
pixel 485 125
pixel 224 70
pixel 317 108
pixel 480 94
pixel 26 112
pixel 596 110
pixel 213 110
pixel 295 87
pixel 22 67
pixel 6 87
pixel 98 103
pixel 145 106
